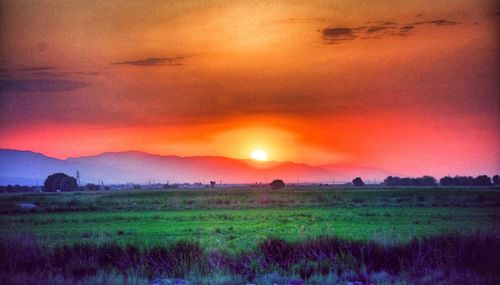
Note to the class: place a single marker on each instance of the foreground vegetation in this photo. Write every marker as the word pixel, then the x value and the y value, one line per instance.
pixel 237 236
pixel 448 259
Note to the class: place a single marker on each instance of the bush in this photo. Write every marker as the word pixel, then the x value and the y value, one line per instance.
pixel 277 184
pixel 60 181
pixel 358 182
pixel 496 180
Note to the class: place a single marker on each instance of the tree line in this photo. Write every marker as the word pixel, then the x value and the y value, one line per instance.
pixel 409 181
pixel 481 180
pixel 64 183
pixel 394 181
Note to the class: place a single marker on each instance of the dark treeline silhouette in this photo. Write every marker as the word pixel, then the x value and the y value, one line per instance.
pixel 481 180
pixel 91 187
pixel 19 188
pixel 63 182
pixel 408 181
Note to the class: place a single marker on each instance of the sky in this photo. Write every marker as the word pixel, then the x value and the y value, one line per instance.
pixel 407 86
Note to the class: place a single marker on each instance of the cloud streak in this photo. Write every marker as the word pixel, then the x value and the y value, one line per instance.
pixel 154 61
pixel 335 35
pixel 440 22
pixel 38 68
pixel 40 85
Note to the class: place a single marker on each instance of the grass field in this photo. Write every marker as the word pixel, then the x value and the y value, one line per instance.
pixel 240 229
pixel 234 221
pixel 244 198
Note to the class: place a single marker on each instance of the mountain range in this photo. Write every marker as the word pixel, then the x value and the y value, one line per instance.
pixel 30 168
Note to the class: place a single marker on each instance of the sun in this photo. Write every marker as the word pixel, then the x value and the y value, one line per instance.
pixel 259 154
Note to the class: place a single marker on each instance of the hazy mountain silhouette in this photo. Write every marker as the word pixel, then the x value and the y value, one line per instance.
pixel 30 168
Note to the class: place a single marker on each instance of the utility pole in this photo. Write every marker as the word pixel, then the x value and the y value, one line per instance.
pixel 78 177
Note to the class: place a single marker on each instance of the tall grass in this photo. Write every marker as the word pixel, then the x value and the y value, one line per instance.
pixel 421 261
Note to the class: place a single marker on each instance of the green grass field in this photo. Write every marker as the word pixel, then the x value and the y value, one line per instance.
pixel 240 229
pixel 245 198
pixel 235 219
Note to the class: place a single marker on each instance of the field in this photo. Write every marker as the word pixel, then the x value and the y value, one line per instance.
pixel 235 221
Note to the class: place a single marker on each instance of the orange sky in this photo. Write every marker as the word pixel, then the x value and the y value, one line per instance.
pixel 409 86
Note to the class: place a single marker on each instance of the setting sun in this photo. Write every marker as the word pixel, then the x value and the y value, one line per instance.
pixel 259 155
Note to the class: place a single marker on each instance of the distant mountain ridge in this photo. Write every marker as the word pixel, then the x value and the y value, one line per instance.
pixel 31 168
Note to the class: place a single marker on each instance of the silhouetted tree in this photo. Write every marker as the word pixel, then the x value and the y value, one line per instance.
pixel 92 187
pixel 407 181
pixel 496 180
pixel 358 182
pixel 18 188
pixel 481 180
pixel 277 184
pixel 60 181
pixel 390 181
pixel 68 184
pixel 427 180
pixel 446 181
pixel 212 184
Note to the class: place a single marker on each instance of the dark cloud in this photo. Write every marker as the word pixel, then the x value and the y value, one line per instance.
pixel 40 85
pixel 338 34
pixel 87 73
pixel 404 30
pixel 333 35
pixel 314 19
pixel 47 74
pixel 440 22
pixel 155 61
pixel 41 79
pixel 37 68
pixel 407 27
pixel 292 20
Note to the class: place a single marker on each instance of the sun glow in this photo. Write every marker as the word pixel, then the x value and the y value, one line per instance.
pixel 259 155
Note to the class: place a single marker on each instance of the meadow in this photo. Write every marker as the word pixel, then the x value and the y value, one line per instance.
pixel 241 221
pixel 246 198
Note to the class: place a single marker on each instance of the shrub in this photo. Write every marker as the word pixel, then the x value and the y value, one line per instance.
pixel 60 181
pixel 277 184
pixel 358 182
